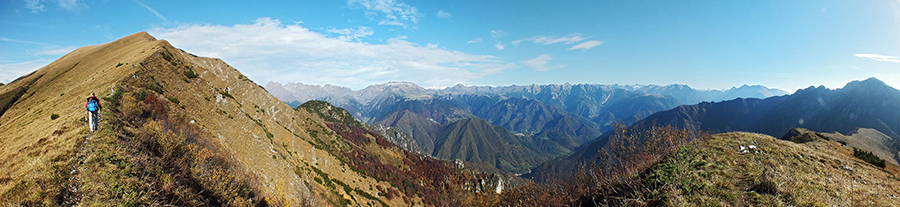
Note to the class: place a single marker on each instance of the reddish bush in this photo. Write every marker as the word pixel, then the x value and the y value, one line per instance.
pixel 185 168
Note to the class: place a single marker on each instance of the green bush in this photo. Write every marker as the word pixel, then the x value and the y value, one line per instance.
pixel 54 116
pixel 166 55
pixel 226 94
pixel 868 157
pixel 155 87
pixel 173 99
pixel 190 73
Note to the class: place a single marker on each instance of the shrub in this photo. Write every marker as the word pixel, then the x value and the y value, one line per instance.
pixel 622 176
pixel 155 87
pixel 113 101
pixel 166 55
pixel 54 116
pixel 189 73
pixel 175 161
pixel 226 94
pixel 173 99
pixel 868 157
pixel 142 94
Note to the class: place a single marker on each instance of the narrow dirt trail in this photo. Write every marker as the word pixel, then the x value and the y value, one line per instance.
pixel 71 196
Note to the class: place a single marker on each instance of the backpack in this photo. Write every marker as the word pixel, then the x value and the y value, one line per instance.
pixel 92 105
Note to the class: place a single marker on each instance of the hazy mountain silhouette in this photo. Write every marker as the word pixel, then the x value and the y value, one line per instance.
pixel 859 104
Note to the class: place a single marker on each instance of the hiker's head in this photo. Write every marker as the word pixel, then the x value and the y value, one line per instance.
pixel 92 94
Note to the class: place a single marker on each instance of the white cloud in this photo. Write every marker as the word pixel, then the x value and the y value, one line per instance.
pixel 497 33
pixel 876 57
pixel 71 4
pixel 35 6
pixel 431 45
pixel 540 63
pixel 546 40
pixel 152 10
pixel 22 41
pixel 271 51
pixel 12 71
pixel 500 46
pixel 57 51
pixel 587 45
pixel 476 40
pixel 443 15
pixel 389 12
pixel 350 34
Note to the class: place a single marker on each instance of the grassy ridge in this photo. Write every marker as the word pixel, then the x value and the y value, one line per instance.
pixel 730 169
pixel 145 155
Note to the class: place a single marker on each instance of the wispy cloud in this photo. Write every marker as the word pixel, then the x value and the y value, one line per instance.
pixel 500 46
pixel 71 4
pixel 497 33
pixel 11 71
pixel 586 45
pixel 876 57
pixel 152 10
pixel 443 15
pixel 26 24
pixel 540 63
pixel 546 40
pixel 476 40
pixel 389 12
pixel 23 41
pixel 350 34
pixel 271 51
pixel 57 51
pixel 36 6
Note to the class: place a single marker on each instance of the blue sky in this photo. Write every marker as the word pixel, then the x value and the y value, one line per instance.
pixel 355 43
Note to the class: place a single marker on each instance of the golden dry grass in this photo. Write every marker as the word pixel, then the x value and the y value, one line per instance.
pixel 776 173
pixel 207 130
pixel 264 136
pixel 37 153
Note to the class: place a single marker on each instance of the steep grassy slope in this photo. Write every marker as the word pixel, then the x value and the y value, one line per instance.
pixel 869 140
pixel 179 129
pixel 771 173
pixel 420 128
pixel 859 104
pixel 438 182
pixel 728 169
pixel 37 152
pixel 475 140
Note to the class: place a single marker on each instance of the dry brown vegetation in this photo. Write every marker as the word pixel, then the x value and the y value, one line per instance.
pixel 680 167
pixel 437 182
pixel 615 180
pixel 145 155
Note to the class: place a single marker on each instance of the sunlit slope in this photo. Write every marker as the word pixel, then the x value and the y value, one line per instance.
pixel 293 157
pixel 34 147
pixel 740 168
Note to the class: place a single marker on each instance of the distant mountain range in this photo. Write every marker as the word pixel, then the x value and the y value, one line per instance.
pixel 184 130
pixel 563 96
pixel 859 104
pixel 547 120
pixel 599 103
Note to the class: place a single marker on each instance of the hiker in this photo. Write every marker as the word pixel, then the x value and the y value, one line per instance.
pixel 93 108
